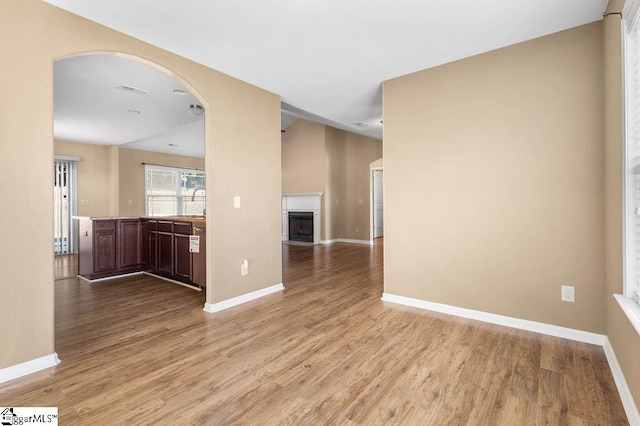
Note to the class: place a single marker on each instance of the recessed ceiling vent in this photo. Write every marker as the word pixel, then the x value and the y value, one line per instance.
pixel 361 124
pixel 131 89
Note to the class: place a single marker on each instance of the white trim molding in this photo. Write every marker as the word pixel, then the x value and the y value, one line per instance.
pixel 621 383
pixel 631 309
pixel 29 367
pixel 235 301
pixel 347 240
pixel 521 324
pixel 113 277
pixel 537 327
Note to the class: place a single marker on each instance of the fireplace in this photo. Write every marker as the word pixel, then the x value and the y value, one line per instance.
pixel 301 226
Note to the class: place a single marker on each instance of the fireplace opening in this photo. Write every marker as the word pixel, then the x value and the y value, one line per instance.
pixel 301 226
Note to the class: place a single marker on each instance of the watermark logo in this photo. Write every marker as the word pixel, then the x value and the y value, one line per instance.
pixel 10 416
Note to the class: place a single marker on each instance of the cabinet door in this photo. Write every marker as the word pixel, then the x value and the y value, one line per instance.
pixel 144 237
pixel 104 246
pixel 129 247
pixel 152 251
pixel 182 266
pixel 199 268
pixel 165 253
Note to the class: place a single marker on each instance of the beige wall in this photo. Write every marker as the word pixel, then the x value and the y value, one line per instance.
pixel 494 181
pixel 623 337
pixel 360 151
pixel 303 168
pixel 334 162
pixel 97 177
pixel 240 160
pixel 318 158
pixel 132 177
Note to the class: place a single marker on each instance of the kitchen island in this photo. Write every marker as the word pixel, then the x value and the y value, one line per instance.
pixel 171 248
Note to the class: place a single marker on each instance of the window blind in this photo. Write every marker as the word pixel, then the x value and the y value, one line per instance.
pixel 64 189
pixel 174 191
pixel 632 117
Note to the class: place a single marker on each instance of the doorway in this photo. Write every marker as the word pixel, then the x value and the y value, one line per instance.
pixel 377 176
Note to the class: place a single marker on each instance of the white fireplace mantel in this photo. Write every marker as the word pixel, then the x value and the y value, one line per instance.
pixel 302 202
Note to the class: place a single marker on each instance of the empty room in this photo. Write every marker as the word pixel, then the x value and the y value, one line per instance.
pixel 286 212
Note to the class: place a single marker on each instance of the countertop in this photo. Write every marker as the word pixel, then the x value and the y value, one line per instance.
pixel 105 217
pixel 192 219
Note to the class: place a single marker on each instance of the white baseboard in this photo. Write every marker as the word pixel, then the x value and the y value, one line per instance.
pixel 113 277
pixel 192 287
pixel 234 301
pixel 347 240
pixel 621 383
pixel 335 240
pixel 536 327
pixel 19 370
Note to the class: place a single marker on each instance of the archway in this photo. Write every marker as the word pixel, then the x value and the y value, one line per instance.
pixel 117 100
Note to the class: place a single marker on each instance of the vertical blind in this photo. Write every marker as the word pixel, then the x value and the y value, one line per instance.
pixel 64 189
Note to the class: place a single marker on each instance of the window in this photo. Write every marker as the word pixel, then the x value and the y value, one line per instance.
pixel 632 155
pixel 171 191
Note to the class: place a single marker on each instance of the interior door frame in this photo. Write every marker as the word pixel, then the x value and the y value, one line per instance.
pixel 372 202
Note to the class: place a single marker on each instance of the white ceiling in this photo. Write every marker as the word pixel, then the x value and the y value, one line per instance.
pixel 327 59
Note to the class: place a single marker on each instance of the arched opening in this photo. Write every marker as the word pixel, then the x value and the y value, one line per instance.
pixel 123 118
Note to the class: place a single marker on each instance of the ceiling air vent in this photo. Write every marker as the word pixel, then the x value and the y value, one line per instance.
pixel 361 124
pixel 131 89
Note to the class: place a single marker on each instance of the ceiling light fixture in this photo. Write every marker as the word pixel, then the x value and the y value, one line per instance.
pixel 180 92
pixel 131 89
pixel 361 124
pixel 196 110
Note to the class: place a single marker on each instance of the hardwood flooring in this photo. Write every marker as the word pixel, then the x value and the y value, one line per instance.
pixel 327 350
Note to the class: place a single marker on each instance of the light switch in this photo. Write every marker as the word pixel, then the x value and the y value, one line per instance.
pixel 236 202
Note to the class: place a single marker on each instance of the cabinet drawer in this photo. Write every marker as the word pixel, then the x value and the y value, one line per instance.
pixel 164 226
pixel 104 225
pixel 153 225
pixel 182 228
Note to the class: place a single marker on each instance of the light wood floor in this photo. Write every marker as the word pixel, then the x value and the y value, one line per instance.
pixel 324 351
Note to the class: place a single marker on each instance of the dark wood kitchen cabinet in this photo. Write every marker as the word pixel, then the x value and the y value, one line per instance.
pixel 198 263
pixel 164 248
pixel 129 245
pixel 168 241
pixel 108 247
pixel 104 247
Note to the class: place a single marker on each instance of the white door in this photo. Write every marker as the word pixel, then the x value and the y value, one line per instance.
pixel 378 204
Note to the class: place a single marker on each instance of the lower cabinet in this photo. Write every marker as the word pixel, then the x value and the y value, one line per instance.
pixel 182 256
pixel 129 245
pixel 109 247
pixel 164 248
pixel 199 259
pixel 167 250
pixel 104 247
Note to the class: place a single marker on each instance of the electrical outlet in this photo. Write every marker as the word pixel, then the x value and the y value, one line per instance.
pixel 244 267
pixel 568 293
pixel 357 229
